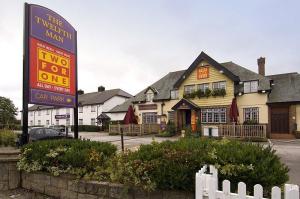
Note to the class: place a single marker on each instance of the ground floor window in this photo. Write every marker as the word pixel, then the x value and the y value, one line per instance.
pixel 149 118
pixel 213 115
pixel 31 123
pixel 80 122
pixel 251 114
pixel 47 122
pixel 93 121
pixel 39 122
pixel 57 122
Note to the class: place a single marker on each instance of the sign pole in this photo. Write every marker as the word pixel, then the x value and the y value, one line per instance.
pixel 24 136
pixel 76 93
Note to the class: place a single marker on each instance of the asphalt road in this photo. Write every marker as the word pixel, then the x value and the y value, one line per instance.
pixel 289 152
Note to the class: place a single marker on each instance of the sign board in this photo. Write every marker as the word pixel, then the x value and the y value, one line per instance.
pixel 62 116
pixel 52 58
pixel 148 107
pixel 202 72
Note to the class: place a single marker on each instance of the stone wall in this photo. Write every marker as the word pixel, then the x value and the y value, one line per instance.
pixel 9 175
pixel 67 187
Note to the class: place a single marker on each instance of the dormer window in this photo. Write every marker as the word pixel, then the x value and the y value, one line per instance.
pixel 251 87
pixel 174 94
pixel 149 97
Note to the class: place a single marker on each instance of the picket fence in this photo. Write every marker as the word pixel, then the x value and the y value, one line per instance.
pixel 207 187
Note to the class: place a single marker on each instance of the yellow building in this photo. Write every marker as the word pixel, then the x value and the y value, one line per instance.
pixel 214 93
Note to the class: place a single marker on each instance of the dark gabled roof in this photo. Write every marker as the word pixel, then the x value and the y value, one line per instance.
pixel 187 102
pixel 151 88
pixel 247 75
pixel 101 97
pixel 211 61
pixel 90 98
pixel 286 88
pixel 162 86
pixel 103 116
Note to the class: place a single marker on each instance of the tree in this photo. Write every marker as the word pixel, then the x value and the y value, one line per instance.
pixel 8 111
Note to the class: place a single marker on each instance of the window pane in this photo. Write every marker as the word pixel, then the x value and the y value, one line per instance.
pixel 254 86
pixel 189 89
pixel 247 87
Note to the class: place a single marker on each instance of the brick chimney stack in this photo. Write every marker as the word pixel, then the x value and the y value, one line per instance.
pixel 261 65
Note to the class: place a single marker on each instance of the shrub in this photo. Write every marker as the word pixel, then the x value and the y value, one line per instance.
pixel 164 134
pixel 172 165
pixel 7 138
pixel 87 128
pixel 82 158
pixel 218 92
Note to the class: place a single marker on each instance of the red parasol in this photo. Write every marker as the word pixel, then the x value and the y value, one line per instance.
pixel 234 111
pixel 130 117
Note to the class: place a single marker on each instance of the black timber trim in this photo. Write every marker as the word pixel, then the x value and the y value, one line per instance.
pixel 190 104
pixel 212 62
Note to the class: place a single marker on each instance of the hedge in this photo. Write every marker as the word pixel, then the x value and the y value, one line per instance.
pixel 172 165
pixel 7 138
pixel 78 157
pixel 87 128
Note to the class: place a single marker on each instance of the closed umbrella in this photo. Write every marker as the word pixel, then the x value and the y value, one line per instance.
pixel 234 112
pixel 130 116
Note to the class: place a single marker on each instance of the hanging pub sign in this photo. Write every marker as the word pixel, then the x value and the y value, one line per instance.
pixel 52 58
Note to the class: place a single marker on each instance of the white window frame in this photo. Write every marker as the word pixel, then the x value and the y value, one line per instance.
pixel 219 85
pixel 149 118
pixel 188 89
pixel 56 122
pixel 213 115
pixel 47 111
pixel 251 113
pixel 47 122
pixel 67 111
pixel 93 121
pixel 39 112
pixel 80 109
pixel 80 121
pixel 68 122
pixel 149 97
pixel 203 87
pixel 174 94
pixel 251 86
pixel 57 111
pixel 39 122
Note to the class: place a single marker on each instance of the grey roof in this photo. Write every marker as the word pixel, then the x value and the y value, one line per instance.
pixel 91 98
pixel 122 107
pixel 286 88
pixel 163 87
pixel 247 75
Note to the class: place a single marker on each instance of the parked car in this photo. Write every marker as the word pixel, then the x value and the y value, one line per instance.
pixel 42 133
pixel 60 128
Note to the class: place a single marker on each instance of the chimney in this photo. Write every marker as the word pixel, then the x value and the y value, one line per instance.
pixel 80 92
pixel 101 88
pixel 261 65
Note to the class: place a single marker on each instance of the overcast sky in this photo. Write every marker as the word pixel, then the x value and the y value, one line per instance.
pixel 131 44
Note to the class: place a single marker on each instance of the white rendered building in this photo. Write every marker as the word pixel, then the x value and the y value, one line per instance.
pixel 91 105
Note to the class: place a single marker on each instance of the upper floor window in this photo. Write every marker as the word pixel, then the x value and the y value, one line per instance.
pixel 188 89
pixel 39 113
pixel 48 111
pixel 250 87
pixel 149 97
pixel 57 111
pixel 68 111
pixel 219 85
pixel 80 109
pixel 93 108
pixel 202 87
pixel 31 113
pixel 174 94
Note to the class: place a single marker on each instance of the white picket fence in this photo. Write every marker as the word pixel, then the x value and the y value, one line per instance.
pixel 207 187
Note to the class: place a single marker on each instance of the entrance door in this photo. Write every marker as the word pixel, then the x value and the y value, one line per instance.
pixel 280 120
pixel 188 115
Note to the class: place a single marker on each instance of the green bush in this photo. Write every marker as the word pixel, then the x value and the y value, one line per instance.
pixel 82 158
pixel 172 165
pixel 7 138
pixel 87 128
pixel 169 131
pixel 218 92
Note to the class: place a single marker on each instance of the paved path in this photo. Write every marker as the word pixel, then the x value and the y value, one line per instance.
pixel 289 152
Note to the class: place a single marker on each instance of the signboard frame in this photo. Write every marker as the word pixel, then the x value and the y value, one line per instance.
pixel 27 87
